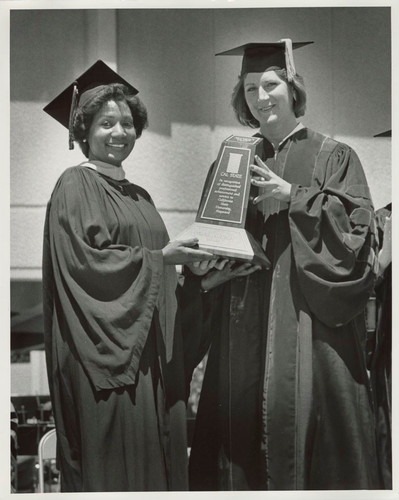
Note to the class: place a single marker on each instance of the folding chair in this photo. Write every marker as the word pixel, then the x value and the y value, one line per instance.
pixel 46 451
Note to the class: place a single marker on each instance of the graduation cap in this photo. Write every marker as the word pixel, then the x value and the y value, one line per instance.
pixel 387 133
pixel 260 56
pixel 63 107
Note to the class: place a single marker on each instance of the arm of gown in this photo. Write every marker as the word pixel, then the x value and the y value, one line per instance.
pixel 106 292
pixel 200 315
pixel 197 310
pixel 334 239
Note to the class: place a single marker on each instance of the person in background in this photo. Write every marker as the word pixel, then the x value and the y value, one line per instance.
pixel 381 357
pixel 112 332
pixel 286 401
pixel 14 448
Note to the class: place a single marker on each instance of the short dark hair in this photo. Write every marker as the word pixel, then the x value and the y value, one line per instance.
pixel 115 92
pixel 240 106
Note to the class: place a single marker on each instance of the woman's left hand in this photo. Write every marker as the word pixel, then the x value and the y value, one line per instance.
pixel 202 267
pixel 273 185
pixel 226 273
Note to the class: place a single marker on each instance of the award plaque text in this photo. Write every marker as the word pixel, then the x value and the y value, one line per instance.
pixel 220 221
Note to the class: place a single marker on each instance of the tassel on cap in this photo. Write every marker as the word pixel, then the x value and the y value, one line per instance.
pixel 72 112
pixel 289 59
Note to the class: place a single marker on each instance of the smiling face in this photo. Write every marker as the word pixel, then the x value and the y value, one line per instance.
pixel 112 134
pixel 270 100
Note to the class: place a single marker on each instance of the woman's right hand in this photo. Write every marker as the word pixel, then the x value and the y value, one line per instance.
pixel 183 252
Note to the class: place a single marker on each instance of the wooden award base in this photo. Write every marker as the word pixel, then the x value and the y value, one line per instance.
pixel 224 241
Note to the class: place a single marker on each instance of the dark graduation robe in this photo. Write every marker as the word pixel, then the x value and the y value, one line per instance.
pixel 286 400
pixel 112 339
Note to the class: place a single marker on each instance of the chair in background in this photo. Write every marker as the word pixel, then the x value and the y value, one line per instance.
pixel 46 451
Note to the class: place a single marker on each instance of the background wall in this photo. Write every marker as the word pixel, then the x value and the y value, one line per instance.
pixel 168 54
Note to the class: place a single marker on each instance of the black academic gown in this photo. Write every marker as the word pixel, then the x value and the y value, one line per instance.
pixel 286 400
pixel 113 343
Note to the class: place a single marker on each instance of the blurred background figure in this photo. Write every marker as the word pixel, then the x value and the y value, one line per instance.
pixel 381 365
pixel 14 448
pixel 379 345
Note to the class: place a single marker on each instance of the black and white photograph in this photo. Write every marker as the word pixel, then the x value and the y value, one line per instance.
pixel 198 282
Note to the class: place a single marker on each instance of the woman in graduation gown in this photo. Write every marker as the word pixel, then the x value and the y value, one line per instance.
pixel 286 401
pixel 112 335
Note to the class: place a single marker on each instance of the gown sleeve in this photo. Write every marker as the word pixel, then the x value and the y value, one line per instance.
pixel 105 290
pixel 197 311
pixel 334 238
pixel 199 320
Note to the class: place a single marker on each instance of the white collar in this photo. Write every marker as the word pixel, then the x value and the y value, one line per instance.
pixel 116 173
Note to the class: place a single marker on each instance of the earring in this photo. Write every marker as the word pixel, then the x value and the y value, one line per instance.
pixel 84 140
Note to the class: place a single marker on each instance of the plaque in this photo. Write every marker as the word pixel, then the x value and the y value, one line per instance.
pixel 220 221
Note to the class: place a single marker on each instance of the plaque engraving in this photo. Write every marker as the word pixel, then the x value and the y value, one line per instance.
pixel 225 201
pixel 220 221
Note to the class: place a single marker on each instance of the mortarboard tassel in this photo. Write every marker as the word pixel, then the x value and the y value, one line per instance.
pixel 289 59
pixel 74 105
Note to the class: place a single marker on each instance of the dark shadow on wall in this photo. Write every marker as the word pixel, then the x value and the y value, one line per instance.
pixel 167 54
pixel 170 56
